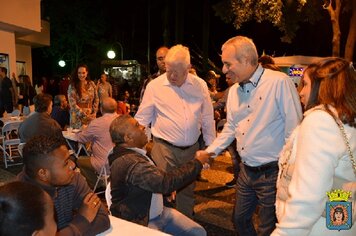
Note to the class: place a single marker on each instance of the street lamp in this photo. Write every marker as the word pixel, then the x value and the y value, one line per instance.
pixel 62 63
pixel 111 54
pixel 121 50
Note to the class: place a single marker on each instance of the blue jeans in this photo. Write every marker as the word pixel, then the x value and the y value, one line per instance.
pixel 255 188
pixel 173 222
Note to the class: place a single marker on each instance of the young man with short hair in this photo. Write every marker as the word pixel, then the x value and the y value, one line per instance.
pixel 78 210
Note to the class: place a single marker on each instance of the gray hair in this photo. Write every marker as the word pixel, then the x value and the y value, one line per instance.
pixel 244 48
pixel 118 129
pixel 178 54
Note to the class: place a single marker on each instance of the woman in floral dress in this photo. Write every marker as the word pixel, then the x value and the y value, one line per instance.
pixel 83 98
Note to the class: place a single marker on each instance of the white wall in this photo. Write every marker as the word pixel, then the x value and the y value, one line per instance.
pixel 23 53
pixel 24 14
pixel 7 46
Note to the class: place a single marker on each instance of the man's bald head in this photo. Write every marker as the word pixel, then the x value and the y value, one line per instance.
pixel 108 105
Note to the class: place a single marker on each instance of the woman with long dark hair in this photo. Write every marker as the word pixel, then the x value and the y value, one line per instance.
pixel 83 98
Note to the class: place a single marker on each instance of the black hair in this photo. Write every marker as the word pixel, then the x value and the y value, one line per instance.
pixel 57 100
pixel 3 69
pixel 340 210
pixel 36 153
pixel 22 209
pixel 42 101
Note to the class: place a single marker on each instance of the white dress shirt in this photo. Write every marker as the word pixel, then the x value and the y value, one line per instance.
pixel 260 115
pixel 178 114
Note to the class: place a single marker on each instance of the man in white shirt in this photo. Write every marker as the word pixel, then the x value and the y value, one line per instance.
pixel 263 108
pixel 98 134
pixel 177 105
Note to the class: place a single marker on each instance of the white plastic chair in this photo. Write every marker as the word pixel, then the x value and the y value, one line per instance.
pixel 20 148
pixel 10 144
pixel 103 175
pixel 108 196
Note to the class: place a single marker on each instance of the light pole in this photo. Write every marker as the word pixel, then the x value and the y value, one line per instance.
pixel 121 50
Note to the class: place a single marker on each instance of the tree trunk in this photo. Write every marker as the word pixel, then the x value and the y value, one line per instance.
pixel 350 43
pixel 334 17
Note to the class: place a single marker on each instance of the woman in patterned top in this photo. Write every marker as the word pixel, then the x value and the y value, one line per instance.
pixel 104 88
pixel 83 98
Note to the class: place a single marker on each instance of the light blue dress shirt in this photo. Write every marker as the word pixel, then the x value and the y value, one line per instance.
pixel 260 115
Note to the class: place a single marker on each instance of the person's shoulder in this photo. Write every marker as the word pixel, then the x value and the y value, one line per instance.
pixel 55 109
pixel 126 156
pixel 158 81
pixel 276 75
pixel 318 116
pixel 197 81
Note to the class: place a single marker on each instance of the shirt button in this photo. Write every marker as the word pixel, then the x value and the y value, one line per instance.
pixel 248 91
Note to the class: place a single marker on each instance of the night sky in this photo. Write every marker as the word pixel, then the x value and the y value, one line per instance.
pixel 127 23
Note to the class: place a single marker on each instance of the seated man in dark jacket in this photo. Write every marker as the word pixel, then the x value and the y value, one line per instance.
pixel 40 122
pixel 60 110
pixel 137 184
pixel 47 164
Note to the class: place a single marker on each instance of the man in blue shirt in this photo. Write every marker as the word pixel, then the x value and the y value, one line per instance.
pixel 263 108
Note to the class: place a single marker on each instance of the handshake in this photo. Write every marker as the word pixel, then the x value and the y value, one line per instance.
pixel 204 158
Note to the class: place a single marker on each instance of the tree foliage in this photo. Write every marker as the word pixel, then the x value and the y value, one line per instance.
pixel 288 14
pixel 74 29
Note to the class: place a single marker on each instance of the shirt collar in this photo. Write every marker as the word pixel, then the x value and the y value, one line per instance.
pixel 255 78
pixel 139 150
pixel 188 80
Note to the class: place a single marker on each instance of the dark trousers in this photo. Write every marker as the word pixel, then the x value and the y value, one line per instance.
pixel 235 158
pixel 166 157
pixel 255 188
pixel 8 107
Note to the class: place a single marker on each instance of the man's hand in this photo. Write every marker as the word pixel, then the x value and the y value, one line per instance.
pixel 203 156
pixel 90 206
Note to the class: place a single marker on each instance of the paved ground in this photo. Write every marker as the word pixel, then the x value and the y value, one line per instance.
pixel 214 202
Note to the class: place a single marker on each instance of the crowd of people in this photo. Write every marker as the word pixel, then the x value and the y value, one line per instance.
pixel 289 146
